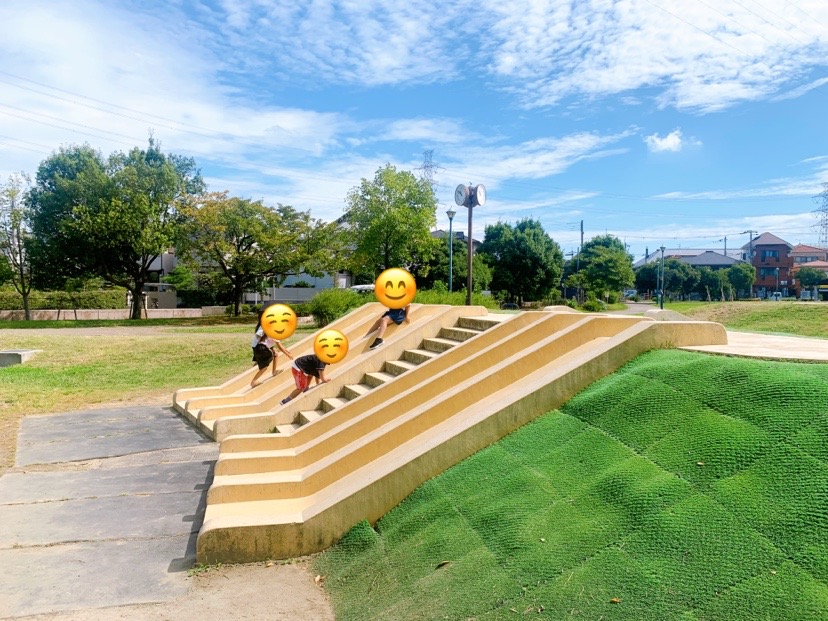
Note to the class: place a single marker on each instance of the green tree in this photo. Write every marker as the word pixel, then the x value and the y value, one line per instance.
pixel 389 221
pixel 810 276
pixel 741 277
pixel 606 266
pixel 526 263
pixel 646 276
pixel 110 219
pixel 679 278
pixel 249 243
pixel 438 267
pixel 714 284
pixel 15 236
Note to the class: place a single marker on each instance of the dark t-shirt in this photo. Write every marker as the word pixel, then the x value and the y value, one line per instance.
pixel 310 364
pixel 397 315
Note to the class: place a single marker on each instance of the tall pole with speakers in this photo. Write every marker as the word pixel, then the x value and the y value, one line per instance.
pixel 470 196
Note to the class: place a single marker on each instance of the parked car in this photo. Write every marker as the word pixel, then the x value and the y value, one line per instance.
pixel 363 288
pixel 509 306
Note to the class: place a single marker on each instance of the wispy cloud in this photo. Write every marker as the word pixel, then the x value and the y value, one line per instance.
pixel 695 55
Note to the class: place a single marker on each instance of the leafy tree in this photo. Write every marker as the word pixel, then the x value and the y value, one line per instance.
pixel 247 242
pixel 679 277
pixel 810 276
pixel 438 266
pixel 526 263
pixel 742 276
pixel 199 287
pixel 15 236
pixel 110 219
pixel 646 276
pixel 607 270
pixel 389 221
pixel 5 271
pixel 713 284
pixel 606 265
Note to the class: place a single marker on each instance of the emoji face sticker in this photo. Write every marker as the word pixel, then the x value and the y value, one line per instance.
pixel 330 346
pixel 395 288
pixel 279 321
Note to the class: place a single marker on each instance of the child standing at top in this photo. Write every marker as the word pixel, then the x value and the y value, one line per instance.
pixel 264 352
pixel 303 368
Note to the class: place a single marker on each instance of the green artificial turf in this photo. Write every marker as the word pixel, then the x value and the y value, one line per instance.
pixel 683 487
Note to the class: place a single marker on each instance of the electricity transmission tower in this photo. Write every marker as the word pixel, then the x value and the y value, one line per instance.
pixel 427 170
pixel 821 214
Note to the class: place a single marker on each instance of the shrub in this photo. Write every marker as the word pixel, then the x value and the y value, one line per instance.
pixel 331 304
pixel 455 298
pixel 52 300
pixel 593 306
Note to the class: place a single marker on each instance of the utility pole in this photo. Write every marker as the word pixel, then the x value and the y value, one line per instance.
pixel 578 262
pixel 750 244
pixel 662 278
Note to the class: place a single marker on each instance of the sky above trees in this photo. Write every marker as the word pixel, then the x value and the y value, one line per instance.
pixel 662 122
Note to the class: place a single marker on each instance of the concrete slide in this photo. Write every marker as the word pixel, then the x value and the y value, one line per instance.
pixel 291 480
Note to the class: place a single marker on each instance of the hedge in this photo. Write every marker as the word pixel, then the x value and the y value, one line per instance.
pixel 58 300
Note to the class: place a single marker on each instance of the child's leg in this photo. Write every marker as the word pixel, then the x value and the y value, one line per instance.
pixel 383 324
pixel 259 373
pixel 375 326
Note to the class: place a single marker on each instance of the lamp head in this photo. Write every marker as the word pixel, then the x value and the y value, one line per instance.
pixel 450 213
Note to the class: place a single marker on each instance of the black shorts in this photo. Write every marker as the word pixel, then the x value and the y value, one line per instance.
pixel 262 355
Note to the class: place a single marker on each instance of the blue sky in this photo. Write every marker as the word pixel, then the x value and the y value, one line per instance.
pixel 664 122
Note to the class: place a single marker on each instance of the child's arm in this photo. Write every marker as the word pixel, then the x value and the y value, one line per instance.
pixel 284 349
pixel 322 377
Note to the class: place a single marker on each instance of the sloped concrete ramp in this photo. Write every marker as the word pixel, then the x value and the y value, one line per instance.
pixel 292 480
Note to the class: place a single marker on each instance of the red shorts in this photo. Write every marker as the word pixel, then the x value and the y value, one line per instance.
pixel 302 380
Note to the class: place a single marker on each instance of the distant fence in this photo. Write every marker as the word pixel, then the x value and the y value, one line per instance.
pixel 113 313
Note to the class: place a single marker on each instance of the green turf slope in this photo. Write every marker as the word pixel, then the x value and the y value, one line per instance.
pixel 684 486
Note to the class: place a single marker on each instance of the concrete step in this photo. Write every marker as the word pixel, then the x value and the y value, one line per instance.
pixel 437 344
pixel 418 356
pixel 397 367
pixel 457 334
pixel 331 403
pixel 287 429
pixel 481 323
pixel 377 378
pixel 308 416
pixel 352 391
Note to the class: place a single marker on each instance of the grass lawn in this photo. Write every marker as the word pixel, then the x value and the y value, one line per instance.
pixel 793 318
pixel 78 370
pixel 684 487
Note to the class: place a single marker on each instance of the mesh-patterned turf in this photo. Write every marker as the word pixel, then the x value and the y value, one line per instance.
pixel 684 487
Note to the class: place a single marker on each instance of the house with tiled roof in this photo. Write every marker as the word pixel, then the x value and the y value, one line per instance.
pixel 770 255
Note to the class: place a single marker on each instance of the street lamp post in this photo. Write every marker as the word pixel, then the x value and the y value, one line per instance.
pixel 450 213
pixel 470 197
pixel 662 277
pixel 777 280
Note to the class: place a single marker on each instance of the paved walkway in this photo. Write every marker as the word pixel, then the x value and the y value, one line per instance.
pixel 770 347
pixel 101 509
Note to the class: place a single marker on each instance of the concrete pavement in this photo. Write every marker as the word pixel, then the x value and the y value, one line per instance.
pixel 101 509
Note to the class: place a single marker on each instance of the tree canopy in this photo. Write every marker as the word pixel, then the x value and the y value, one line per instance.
pixel 388 221
pixel 248 242
pixel 526 263
pixel 108 218
pixel 605 265
pixel 810 276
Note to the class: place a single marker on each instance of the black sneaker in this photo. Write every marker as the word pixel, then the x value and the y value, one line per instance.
pixel 377 342
pixel 285 400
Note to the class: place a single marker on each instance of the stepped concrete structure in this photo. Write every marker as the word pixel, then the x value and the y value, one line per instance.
pixel 292 479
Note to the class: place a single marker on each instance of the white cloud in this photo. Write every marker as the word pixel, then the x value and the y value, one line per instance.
pixel 670 142
pixel 695 55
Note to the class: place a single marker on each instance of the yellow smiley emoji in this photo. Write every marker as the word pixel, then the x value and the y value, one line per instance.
pixel 395 288
pixel 279 321
pixel 330 346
